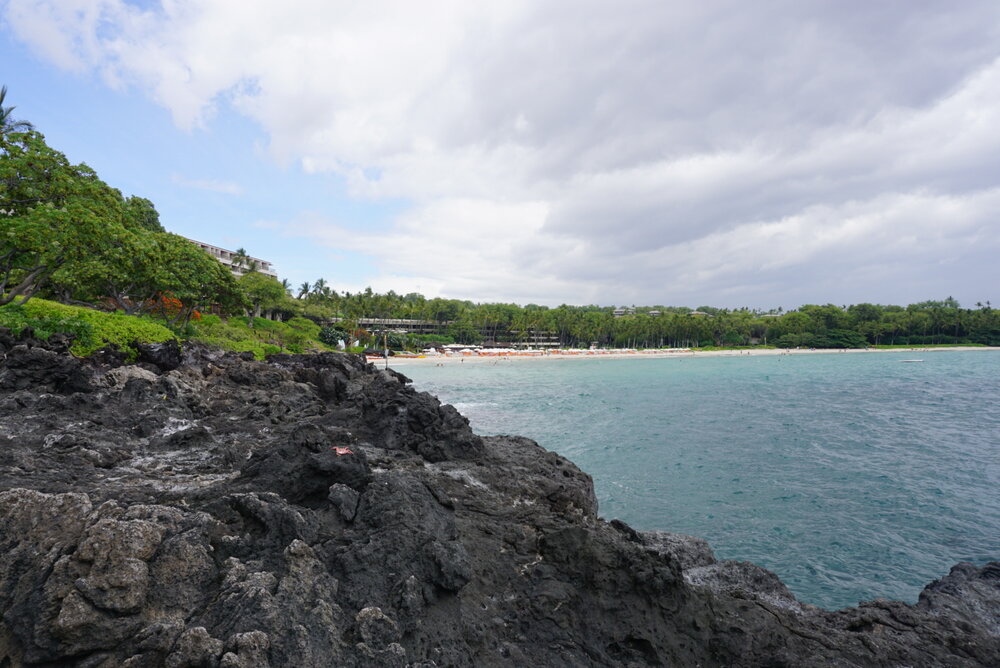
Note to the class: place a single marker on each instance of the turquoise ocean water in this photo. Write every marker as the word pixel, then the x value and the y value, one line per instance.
pixel 852 476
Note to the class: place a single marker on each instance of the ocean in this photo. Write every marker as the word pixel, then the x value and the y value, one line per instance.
pixel 852 476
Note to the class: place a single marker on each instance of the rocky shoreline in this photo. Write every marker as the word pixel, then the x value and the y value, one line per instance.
pixel 203 509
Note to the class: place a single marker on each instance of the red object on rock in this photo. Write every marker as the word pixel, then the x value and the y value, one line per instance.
pixel 342 451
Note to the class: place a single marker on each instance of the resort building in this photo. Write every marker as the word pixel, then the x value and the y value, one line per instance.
pixel 490 336
pixel 234 262
pixel 400 325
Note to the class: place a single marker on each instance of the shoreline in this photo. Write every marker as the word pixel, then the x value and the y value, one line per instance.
pixel 494 358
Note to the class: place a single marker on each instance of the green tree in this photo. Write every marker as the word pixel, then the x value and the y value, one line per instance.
pixel 243 263
pixel 464 331
pixel 864 313
pixel 8 123
pixel 127 269
pixel 196 280
pixel 54 213
pixel 262 292
pixel 141 213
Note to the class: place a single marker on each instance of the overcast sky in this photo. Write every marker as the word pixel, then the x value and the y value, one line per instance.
pixel 763 154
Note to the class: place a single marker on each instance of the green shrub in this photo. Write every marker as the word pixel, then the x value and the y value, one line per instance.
pixel 305 325
pixel 332 336
pixel 209 320
pixel 93 329
pixel 265 337
pixel 259 350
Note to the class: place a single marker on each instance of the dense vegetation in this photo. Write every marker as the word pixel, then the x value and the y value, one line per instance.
pixel 70 239
pixel 827 326
pixel 68 235
pixel 91 329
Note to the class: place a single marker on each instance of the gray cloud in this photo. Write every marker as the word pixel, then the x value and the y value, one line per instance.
pixel 730 152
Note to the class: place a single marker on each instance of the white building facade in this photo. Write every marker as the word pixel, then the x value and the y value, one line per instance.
pixel 231 260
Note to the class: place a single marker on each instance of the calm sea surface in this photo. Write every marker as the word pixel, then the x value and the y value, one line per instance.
pixel 852 476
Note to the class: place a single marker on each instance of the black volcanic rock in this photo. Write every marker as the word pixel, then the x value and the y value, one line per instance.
pixel 164 356
pixel 203 509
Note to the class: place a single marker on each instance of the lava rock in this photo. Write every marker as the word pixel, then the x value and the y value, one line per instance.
pixel 200 508
pixel 164 356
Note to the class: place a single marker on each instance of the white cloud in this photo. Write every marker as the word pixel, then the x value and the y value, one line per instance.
pixel 639 151
pixel 225 187
pixel 452 247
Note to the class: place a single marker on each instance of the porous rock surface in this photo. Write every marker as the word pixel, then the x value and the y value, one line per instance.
pixel 200 509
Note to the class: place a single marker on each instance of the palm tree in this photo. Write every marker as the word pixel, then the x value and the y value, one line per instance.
pixel 8 123
pixel 287 285
pixel 318 285
pixel 304 289
pixel 240 258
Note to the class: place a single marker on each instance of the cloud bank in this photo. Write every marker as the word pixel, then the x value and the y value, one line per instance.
pixel 731 153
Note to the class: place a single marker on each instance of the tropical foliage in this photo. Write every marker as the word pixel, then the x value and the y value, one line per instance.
pixel 91 329
pixel 68 235
pixel 819 326
pixel 8 123
pixel 265 337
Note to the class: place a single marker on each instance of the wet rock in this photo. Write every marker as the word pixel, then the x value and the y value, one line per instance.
pixel 204 509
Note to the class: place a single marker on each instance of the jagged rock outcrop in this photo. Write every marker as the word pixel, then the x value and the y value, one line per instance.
pixel 201 509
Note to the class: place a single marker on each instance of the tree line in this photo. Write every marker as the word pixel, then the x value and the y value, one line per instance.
pixel 820 326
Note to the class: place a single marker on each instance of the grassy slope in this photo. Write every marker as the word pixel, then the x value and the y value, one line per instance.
pixel 93 329
pixel 265 337
pixel 96 329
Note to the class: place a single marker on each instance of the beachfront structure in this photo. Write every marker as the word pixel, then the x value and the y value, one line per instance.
pixel 535 339
pixel 513 338
pixel 234 262
pixel 399 325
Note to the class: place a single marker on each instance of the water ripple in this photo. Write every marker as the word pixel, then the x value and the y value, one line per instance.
pixel 851 476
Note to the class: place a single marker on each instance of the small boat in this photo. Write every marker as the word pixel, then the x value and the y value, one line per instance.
pixel 911 360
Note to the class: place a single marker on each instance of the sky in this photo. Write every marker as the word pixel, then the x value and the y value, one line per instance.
pixel 761 154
